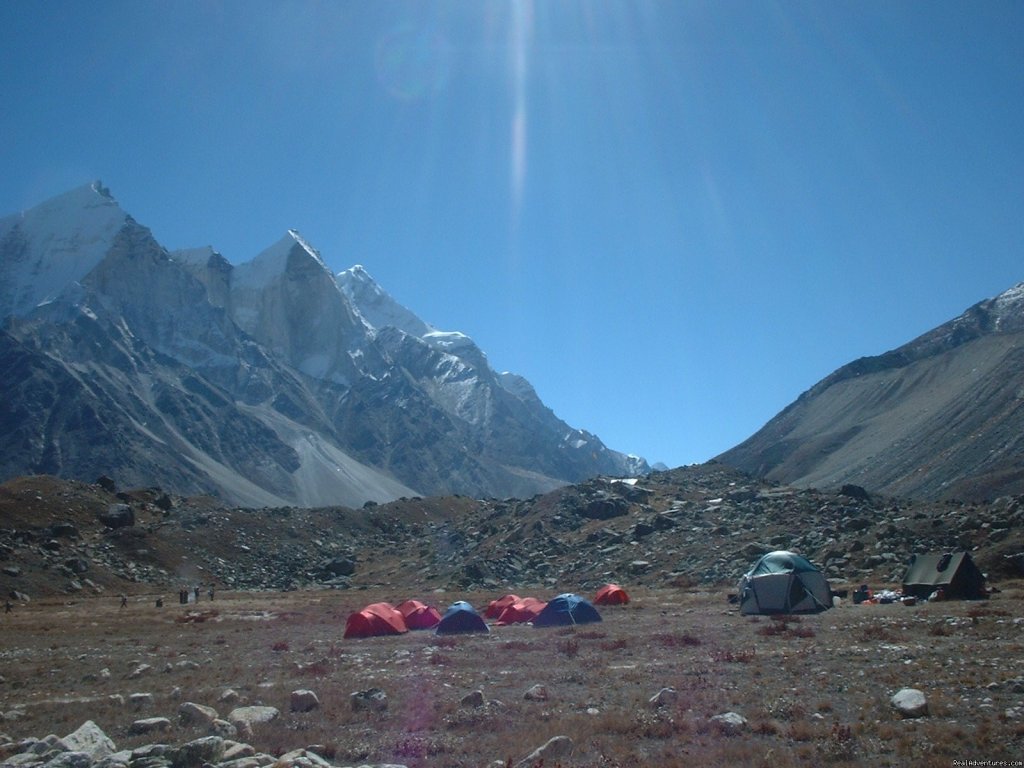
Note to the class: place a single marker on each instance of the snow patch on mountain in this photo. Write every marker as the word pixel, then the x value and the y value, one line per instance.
pixel 450 341
pixel 54 245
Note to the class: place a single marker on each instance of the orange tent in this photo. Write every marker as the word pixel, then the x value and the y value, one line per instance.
pixel 522 611
pixel 497 606
pixel 419 615
pixel 375 619
pixel 611 594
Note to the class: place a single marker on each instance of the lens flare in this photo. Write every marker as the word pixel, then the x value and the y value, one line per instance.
pixel 522 24
pixel 412 62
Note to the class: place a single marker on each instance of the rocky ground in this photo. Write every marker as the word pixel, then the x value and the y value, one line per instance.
pixel 676 677
pixel 700 525
pixel 260 675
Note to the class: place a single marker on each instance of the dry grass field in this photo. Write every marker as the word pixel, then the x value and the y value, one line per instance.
pixel 814 690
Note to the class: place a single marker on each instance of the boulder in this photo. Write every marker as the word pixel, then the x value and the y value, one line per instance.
pixel 305 758
pixel 149 725
pixel 536 693
pixel 730 722
pixel 910 702
pixel 604 507
pixel 549 753
pixel 244 718
pixel 117 516
pixel 191 713
pixel 223 728
pixel 304 701
pixel 230 696
pixel 106 483
pixel 91 739
pixel 140 700
pixel 372 699
pixel 473 700
pixel 209 749
pixel 664 697
pixel 69 760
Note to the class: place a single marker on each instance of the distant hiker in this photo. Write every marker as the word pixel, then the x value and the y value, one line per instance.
pixel 183 596
pixel 124 601
pixel 196 591
pixel 211 592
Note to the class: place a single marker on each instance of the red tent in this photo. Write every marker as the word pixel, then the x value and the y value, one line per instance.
pixel 375 619
pixel 611 594
pixel 418 615
pixel 521 611
pixel 497 606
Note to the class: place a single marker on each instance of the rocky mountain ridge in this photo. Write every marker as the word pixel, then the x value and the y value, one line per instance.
pixel 939 417
pixel 269 383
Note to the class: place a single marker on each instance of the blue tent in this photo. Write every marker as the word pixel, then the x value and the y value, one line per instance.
pixel 459 618
pixel 567 609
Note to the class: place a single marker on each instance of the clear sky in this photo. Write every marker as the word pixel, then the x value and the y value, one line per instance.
pixel 672 217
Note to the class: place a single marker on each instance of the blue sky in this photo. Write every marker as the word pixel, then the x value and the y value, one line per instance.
pixel 672 217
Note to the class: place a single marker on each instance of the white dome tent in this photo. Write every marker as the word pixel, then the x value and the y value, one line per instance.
pixel 784 582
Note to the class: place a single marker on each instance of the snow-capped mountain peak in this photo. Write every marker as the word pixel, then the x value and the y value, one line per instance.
pixel 46 249
pixel 377 308
pixel 274 381
pixel 1008 308
pixel 276 260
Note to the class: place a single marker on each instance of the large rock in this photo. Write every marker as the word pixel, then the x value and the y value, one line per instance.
pixel 117 516
pixel 663 698
pixel 244 718
pixel 191 713
pixel 730 722
pixel 149 725
pixel 304 701
pixel 548 753
pixel 372 699
pixel 910 702
pixel 90 739
pixel 69 760
pixel 199 752
pixel 604 507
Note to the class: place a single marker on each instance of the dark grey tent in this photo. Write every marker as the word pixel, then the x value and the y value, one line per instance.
pixel 954 572
pixel 784 582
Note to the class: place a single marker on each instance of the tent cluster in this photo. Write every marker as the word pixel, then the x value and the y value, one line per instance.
pixel 567 609
pixel 784 582
pixel 780 582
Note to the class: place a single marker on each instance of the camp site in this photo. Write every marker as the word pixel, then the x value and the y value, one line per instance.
pixel 671 672
pixel 861 639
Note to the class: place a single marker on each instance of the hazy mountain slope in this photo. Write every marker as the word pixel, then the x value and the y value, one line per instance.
pixel 263 382
pixel 940 416
pixel 500 418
